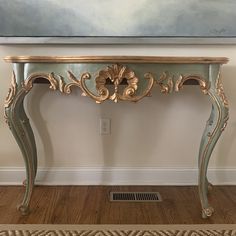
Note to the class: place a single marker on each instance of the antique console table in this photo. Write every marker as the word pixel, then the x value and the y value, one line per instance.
pixel 129 79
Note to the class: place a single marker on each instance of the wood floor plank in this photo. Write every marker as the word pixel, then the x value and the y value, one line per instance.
pixel 91 205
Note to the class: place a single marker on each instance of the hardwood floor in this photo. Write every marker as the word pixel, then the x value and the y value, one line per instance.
pixel 90 205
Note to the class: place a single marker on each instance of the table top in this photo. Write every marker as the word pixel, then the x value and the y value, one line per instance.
pixel 116 59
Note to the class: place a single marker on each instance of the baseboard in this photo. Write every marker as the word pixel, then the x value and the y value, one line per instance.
pixel 118 176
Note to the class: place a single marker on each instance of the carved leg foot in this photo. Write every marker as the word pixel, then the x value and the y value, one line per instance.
pixel 207 212
pixel 24 209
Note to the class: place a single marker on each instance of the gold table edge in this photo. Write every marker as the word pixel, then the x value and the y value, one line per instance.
pixel 116 59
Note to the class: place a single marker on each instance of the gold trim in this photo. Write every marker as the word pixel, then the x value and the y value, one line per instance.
pixel 11 92
pixel 66 88
pixel 225 123
pixel 116 59
pixel 103 92
pixel 213 133
pixel 28 83
pixel 165 87
pixel 116 74
pixel 128 94
pixel 204 85
pixel 220 91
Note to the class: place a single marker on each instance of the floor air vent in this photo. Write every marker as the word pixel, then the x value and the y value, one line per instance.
pixel 135 197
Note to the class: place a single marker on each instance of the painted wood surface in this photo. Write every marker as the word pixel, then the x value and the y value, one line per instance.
pixel 141 80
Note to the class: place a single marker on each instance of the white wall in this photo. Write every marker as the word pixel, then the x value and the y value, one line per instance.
pixel 162 131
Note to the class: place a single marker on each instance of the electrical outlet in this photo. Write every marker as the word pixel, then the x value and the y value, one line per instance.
pixel 105 126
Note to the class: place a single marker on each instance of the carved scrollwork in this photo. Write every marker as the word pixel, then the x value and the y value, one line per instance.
pixel 66 87
pixel 102 90
pixel 116 74
pixel 10 97
pixel 11 92
pixel 166 87
pixel 220 91
pixel 28 83
pixel 204 85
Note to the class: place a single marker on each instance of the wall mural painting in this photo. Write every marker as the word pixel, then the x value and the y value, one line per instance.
pixel 124 19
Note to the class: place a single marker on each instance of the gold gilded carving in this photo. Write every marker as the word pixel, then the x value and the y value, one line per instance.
pixel 225 123
pixel 204 85
pixel 116 74
pixel 168 86
pixel 220 91
pixel 28 83
pixel 103 91
pixel 129 92
pixel 11 92
pixel 66 88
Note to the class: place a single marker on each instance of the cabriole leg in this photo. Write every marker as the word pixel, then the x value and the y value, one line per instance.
pixel 205 135
pixel 215 125
pixel 20 127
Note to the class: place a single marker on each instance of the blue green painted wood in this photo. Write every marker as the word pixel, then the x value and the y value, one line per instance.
pixel 91 78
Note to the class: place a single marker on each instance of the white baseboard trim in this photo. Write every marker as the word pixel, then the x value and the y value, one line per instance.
pixel 118 176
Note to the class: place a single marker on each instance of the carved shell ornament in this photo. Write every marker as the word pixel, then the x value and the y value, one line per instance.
pixel 116 74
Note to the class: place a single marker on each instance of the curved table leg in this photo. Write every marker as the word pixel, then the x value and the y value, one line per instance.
pixel 205 135
pixel 20 127
pixel 215 125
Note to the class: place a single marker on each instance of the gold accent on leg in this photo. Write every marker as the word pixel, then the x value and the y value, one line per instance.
pixel 21 129
pixel 217 96
pixel 11 92
pixel 220 112
pixel 220 91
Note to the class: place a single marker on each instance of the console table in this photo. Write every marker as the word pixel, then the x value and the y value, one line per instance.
pixel 116 78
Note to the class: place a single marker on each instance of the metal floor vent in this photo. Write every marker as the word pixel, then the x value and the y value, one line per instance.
pixel 135 197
